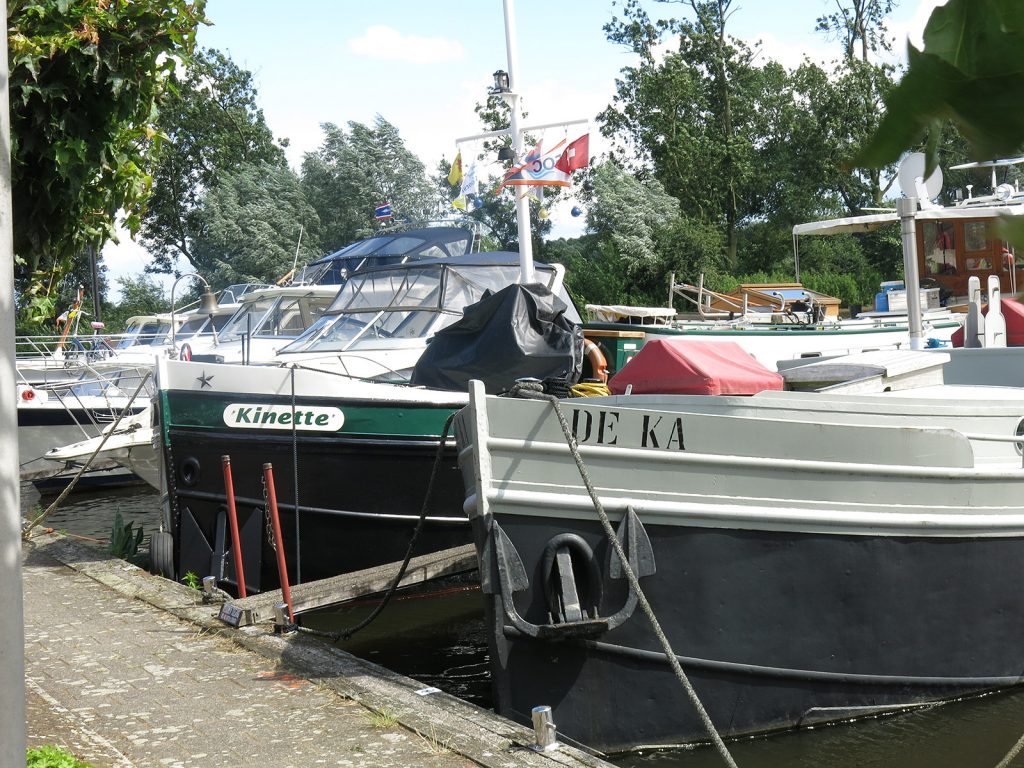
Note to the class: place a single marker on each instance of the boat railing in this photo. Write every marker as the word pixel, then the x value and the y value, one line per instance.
pixel 1018 439
pixel 701 298
pixel 114 387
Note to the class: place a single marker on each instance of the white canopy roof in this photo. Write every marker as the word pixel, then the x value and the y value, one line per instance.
pixel 847 224
pixel 876 220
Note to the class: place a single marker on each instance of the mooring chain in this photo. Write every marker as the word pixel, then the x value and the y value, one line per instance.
pixel 266 516
pixel 634 583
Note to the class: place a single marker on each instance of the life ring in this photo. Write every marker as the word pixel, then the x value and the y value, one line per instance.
pixel 186 352
pixel 598 364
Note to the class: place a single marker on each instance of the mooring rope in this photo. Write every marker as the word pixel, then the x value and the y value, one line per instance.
pixel 74 481
pixel 1014 751
pixel 346 634
pixel 530 390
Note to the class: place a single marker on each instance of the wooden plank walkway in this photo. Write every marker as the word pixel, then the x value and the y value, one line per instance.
pixel 350 586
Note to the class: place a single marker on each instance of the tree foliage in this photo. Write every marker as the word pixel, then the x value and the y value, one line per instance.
pixel 247 229
pixel 86 78
pixel 747 147
pixel 139 296
pixel 858 21
pixel 353 172
pixel 212 125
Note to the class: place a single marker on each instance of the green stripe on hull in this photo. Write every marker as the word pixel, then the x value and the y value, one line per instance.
pixel 185 409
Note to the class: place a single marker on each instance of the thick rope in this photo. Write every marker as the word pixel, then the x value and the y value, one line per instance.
pixel 634 583
pixel 88 462
pixel 346 634
pixel 1014 751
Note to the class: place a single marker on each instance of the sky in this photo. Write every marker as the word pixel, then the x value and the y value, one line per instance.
pixel 423 64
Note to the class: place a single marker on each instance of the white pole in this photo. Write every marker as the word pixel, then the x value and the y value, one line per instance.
pixel 906 207
pixel 522 204
pixel 12 649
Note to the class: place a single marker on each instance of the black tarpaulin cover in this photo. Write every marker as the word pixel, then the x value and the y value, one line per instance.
pixel 520 331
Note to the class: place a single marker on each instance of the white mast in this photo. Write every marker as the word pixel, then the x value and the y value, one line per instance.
pixel 513 98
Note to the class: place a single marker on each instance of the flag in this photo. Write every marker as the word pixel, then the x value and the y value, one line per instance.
pixel 455 174
pixel 469 183
pixel 538 169
pixel 576 155
pixel 382 212
pixel 459 202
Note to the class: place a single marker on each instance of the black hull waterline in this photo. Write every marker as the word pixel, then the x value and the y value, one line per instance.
pixel 774 629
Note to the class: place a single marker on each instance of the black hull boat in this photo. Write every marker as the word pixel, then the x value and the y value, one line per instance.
pixel 803 572
pixel 360 491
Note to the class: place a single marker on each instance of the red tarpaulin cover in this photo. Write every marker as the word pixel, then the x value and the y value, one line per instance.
pixel 685 367
pixel 1013 311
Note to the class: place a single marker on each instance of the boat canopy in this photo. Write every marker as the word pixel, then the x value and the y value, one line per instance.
pixel 385 249
pixel 416 299
pixel 866 223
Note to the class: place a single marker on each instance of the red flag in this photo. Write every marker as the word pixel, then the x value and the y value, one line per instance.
pixel 576 155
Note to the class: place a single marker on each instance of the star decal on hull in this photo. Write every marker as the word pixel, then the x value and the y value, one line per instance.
pixel 204 380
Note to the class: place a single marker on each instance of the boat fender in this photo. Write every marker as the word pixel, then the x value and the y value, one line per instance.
pixel 598 363
pixel 572 579
pixel 189 472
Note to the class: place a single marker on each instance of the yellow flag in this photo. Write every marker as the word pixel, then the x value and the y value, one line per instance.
pixel 455 174
pixel 460 202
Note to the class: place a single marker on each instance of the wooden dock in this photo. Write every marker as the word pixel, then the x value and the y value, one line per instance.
pixel 349 586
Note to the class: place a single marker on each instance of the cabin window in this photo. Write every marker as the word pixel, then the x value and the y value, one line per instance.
pixel 940 248
pixel 976 242
pixel 976 236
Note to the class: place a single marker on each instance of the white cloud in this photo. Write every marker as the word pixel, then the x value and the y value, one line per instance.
pixel 380 42
pixel 771 48
pixel 128 258
pixel 913 29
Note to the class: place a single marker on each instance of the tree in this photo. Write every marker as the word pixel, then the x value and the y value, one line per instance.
pixel 692 117
pixel 352 173
pixel 212 126
pixel 860 21
pixel 139 296
pixel 247 227
pixel 86 78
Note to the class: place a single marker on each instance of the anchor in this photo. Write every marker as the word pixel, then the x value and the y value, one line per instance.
pixel 569 618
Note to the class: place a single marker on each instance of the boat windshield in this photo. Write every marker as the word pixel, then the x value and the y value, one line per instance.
pixel 147 332
pixel 403 303
pixel 279 316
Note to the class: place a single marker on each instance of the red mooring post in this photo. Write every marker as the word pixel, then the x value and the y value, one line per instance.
pixel 236 542
pixel 275 521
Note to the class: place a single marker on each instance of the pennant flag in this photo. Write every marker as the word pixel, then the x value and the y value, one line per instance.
pixel 455 174
pixel 469 182
pixel 459 202
pixel 382 212
pixel 576 155
pixel 538 169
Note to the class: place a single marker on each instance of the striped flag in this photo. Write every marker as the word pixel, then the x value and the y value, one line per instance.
pixel 538 169
pixel 382 212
